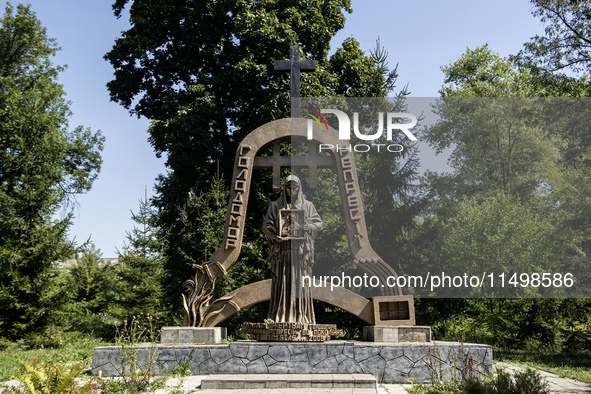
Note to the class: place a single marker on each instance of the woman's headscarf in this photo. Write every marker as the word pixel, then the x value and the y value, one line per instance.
pixel 297 200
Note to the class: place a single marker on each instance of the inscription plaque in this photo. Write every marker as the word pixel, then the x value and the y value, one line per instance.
pixel 291 332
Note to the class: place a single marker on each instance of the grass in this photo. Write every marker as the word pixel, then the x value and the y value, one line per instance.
pixel 113 385
pixel 566 365
pixel 78 351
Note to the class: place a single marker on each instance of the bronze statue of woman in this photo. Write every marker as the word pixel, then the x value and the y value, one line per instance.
pixel 290 225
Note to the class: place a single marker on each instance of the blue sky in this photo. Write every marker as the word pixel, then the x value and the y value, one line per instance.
pixel 420 36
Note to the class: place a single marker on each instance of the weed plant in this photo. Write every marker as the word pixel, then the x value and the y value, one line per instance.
pixel 525 382
pixel 457 372
pixel 454 366
pixel 139 370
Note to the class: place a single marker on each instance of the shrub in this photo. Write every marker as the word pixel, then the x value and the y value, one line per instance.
pixel 4 344
pixel 52 377
pixel 525 382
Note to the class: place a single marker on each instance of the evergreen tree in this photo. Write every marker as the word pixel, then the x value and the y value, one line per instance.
pixel 92 287
pixel 92 281
pixel 140 272
pixel 42 167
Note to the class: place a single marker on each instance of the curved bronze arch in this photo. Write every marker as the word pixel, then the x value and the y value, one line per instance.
pixel 245 162
pixel 258 292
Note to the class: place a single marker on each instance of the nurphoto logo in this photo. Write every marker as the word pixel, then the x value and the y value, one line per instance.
pixel 345 130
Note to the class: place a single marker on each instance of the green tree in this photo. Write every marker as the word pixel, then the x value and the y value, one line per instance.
pixel 497 234
pixel 140 274
pixel 505 159
pixel 533 149
pixel 143 239
pixel 359 75
pixel 509 203
pixel 558 60
pixel 565 49
pixel 388 182
pixel 92 286
pixel 566 44
pixel 481 72
pixel 496 133
pixel 42 167
pixel 563 54
pixel 202 71
pixel 92 281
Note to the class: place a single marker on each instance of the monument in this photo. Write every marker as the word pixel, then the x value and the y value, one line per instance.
pixel 377 312
pixel 395 349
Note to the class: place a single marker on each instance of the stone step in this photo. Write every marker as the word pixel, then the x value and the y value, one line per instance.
pixel 281 381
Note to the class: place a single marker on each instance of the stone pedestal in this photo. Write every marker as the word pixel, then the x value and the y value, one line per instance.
pixel 388 362
pixel 397 333
pixel 193 334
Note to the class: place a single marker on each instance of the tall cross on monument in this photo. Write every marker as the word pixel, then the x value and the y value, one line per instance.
pixel 294 65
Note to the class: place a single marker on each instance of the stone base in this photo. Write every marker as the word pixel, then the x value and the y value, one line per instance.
pixel 388 362
pixel 289 381
pixel 193 334
pixel 291 332
pixel 397 333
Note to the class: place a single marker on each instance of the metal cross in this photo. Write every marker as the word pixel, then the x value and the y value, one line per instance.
pixel 312 162
pixel 294 65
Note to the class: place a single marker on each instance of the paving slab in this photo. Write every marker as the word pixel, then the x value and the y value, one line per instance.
pixel 188 384
pixel 284 381
pixel 393 389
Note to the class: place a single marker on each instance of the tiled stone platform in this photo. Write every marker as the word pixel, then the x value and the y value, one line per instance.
pixel 388 362
pixel 283 381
